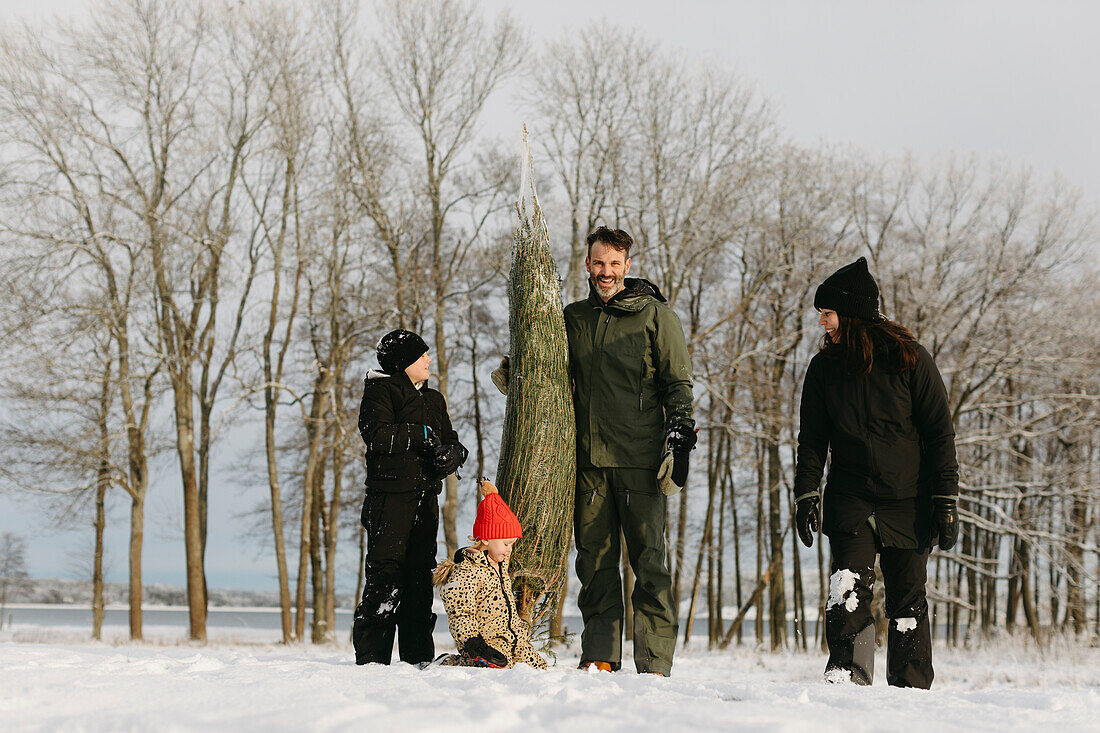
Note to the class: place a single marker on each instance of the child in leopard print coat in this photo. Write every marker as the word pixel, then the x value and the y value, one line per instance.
pixel 477 592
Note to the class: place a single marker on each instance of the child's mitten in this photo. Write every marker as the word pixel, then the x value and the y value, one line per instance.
pixel 476 649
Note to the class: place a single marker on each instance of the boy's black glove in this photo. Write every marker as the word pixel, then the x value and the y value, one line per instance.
pixel 806 519
pixel 424 439
pixel 477 650
pixel 448 458
pixel 946 519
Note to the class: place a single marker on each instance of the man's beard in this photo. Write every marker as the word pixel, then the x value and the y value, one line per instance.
pixel 609 291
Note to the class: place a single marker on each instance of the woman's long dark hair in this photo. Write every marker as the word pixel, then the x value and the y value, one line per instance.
pixel 858 339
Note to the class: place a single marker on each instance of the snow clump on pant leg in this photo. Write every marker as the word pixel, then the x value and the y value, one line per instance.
pixel 905 624
pixel 388 604
pixel 842 585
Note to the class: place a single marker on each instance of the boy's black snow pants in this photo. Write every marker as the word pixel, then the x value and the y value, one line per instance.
pixel 849 624
pixel 397 592
pixel 610 501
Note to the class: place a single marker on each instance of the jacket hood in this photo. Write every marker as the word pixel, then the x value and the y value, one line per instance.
pixel 469 555
pixel 374 374
pixel 634 296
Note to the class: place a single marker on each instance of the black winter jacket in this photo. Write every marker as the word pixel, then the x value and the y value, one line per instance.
pixel 892 444
pixel 392 417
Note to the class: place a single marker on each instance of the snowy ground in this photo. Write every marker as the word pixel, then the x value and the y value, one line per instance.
pixel 52 679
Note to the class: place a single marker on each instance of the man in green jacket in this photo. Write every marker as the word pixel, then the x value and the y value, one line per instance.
pixel 632 395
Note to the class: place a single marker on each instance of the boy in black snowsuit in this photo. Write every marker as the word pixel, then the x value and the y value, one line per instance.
pixel 411 447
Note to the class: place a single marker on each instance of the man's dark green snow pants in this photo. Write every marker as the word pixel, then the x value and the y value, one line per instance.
pixel 610 500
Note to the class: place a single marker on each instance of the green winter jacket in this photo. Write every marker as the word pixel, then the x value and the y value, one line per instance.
pixel 631 376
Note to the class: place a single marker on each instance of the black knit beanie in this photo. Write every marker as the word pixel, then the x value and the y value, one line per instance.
pixel 850 291
pixel 398 349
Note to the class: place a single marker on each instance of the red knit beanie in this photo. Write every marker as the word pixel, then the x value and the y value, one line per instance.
pixel 495 521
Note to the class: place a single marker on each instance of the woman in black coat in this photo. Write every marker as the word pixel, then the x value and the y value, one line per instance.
pixel 411 447
pixel 873 397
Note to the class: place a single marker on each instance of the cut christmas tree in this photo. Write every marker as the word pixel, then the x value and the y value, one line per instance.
pixel 537 470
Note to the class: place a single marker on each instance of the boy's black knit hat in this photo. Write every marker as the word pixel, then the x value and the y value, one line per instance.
pixel 398 349
pixel 850 291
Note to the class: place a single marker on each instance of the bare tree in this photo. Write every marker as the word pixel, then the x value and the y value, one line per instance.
pixel 159 70
pixel 137 76
pixel 440 61
pixel 55 128
pixel 273 186
pixel 380 173
pixel 13 568
pixel 697 140
pixel 581 103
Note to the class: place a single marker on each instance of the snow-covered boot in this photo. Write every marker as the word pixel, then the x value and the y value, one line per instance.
pixel 863 656
pixel 860 668
pixel 909 647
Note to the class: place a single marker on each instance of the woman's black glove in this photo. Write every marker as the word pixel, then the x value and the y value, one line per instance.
pixel 448 458
pixel 806 519
pixel 477 650
pixel 946 518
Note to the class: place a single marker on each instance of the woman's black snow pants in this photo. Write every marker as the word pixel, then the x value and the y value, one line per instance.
pixel 849 624
pixel 397 592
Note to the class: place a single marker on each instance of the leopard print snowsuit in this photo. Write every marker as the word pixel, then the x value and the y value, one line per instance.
pixel 478 598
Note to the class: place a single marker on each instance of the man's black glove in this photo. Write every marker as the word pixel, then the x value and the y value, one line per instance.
pixel 806 519
pixel 680 462
pixel 424 439
pixel 680 441
pixel 946 519
pixel 476 649
pixel 681 438
pixel 448 458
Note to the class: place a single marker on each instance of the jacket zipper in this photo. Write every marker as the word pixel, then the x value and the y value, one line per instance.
pixel 504 591
pixel 606 316
pixel 867 435
pixel 598 338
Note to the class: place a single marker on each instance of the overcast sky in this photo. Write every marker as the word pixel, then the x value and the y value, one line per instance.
pixel 1017 80
pixel 1007 78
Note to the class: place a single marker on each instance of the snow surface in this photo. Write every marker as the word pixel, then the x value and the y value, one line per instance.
pixel 52 680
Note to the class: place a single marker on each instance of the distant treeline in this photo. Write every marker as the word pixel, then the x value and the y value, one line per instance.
pixel 55 590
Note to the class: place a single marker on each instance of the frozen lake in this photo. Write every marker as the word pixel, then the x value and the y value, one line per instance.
pixel 74 617
pixel 233 622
